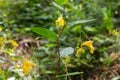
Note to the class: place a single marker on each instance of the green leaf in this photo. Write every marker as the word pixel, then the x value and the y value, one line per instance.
pixel 49 72
pixel 45 32
pixel 80 21
pixel 62 2
pixel 69 74
pixel 50 45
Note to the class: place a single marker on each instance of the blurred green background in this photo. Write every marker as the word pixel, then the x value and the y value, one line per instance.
pixel 98 20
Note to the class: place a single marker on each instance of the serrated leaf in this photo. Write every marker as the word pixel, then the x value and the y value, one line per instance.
pixel 66 51
pixel 45 32
pixel 69 74
pixel 61 2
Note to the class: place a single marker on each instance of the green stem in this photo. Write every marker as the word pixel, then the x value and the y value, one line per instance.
pixel 85 34
pixel 58 48
pixel 79 40
pixel 66 70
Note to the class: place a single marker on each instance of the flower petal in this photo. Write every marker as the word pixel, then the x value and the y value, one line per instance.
pixel 89 44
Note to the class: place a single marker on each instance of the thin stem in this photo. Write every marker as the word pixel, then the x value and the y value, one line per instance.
pixel 79 40
pixel 66 70
pixel 58 48
pixel 85 34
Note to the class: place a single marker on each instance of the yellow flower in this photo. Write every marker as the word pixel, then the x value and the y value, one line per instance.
pixel 89 44
pixel 60 21
pixel 27 66
pixel 0 28
pixel 14 43
pixel 79 52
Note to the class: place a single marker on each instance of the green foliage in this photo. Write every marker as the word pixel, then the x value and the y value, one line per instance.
pixel 45 32
pixel 70 74
pixel 80 21
pixel 106 59
pixel 96 20
pixel 108 22
pixel 62 2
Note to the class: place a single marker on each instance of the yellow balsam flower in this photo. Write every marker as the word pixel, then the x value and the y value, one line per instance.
pixel 79 52
pixel 27 66
pixel 60 21
pixel 89 44
pixel 14 43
